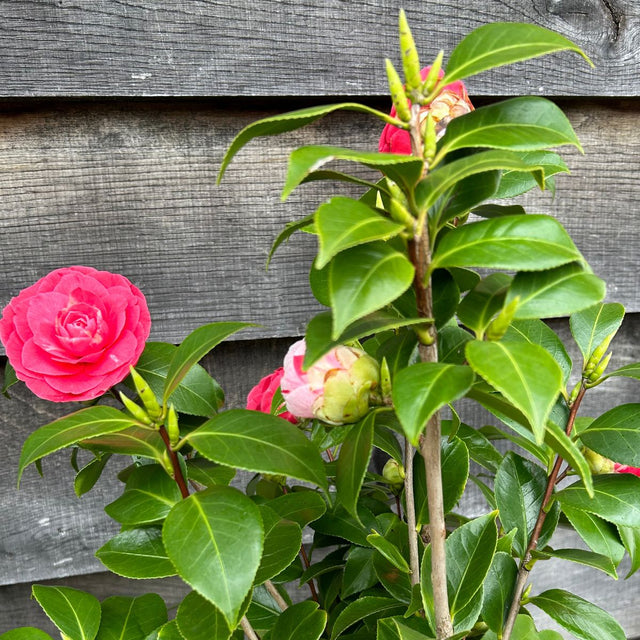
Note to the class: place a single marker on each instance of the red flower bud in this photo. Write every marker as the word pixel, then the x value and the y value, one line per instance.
pixel 260 398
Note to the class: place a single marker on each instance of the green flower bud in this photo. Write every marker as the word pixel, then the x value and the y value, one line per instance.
pixel 172 426
pixel 434 75
pixel 385 380
pixel 146 394
pixel 596 374
pixel 597 463
pixel 597 355
pixel 135 410
pixel 401 214
pixel 398 94
pixel 410 61
pixel 429 137
pixel 393 473
pixel 499 325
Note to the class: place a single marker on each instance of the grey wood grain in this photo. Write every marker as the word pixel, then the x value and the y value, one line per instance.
pixel 291 47
pixel 130 187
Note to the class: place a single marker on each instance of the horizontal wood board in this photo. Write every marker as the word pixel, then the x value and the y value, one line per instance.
pixel 47 533
pixel 130 188
pixel 292 47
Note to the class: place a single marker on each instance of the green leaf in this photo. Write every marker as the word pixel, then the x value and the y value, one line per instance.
pixel 137 553
pixel 208 473
pixel 519 488
pixel 455 472
pixel 302 621
pixel 168 631
pixel 555 292
pixel 581 556
pixel 628 371
pixel 527 123
pixel 318 335
pixel 364 279
pixel 353 462
pixel 343 223
pixel 61 433
pixel 583 619
pixel 401 628
pixel 261 443
pixel 290 121
pixel 389 551
pixel 386 440
pixel 485 300
pixel 215 538
pixel 616 434
pixel 439 181
pixel 194 347
pixel 302 507
pixel 537 332
pixel 515 183
pixel 87 477
pixel 9 380
pixel 359 573
pixel 499 210
pixel 445 296
pixel 133 441
pixel 498 591
pixel 282 540
pixel 478 445
pixel 422 389
pixel 404 170
pixel 592 325
pixel 198 619
pixel 75 613
pixel 566 448
pixel 126 618
pixel 524 629
pixel 362 608
pixel 25 633
pixel 630 537
pixel 616 498
pixel 526 374
pixel 451 344
pixel 531 242
pixel 148 498
pixel 289 229
pixel 197 394
pixel 500 43
pixel 340 524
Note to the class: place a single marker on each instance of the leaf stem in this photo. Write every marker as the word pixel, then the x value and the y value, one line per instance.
pixel 523 571
pixel 410 511
pixel 307 564
pixel 178 476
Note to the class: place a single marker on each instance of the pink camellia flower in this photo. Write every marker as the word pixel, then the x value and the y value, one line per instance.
pixel 335 389
pixel 599 464
pixel 625 468
pixel 451 102
pixel 260 398
pixel 73 334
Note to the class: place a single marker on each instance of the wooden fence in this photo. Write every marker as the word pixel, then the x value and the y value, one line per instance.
pixel 115 116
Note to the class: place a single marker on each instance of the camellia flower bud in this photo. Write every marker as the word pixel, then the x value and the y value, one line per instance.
pixel 334 389
pixel 599 464
pixel 393 473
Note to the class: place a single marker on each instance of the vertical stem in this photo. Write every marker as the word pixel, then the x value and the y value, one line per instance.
pixel 307 564
pixel 175 463
pixel 248 629
pixel 275 594
pixel 410 509
pixel 523 571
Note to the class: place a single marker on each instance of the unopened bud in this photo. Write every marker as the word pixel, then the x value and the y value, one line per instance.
pixel 276 479
pixel 499 325
pixel 398 94
pixel 410 61
pixel 601 368
pixel 434 75
pixel 385 380
pixel 429 137
pixel 393 473
pixel 401 214
pixel 597 463
pixel 424 334
pixel 135 410
pixel 172 426
pixel 597 355
pixel 574 393
pixel 146 394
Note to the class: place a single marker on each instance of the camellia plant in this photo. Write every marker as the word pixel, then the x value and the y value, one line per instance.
pixel 435 289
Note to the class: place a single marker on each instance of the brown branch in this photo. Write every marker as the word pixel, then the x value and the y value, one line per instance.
pixel 248 629
pixel 275 594
pixel 523 571
pixel 307 564
pixel 410 511
pixel 175 463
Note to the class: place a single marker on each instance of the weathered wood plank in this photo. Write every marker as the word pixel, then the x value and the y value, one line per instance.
pixel 291 47
pixel 130 188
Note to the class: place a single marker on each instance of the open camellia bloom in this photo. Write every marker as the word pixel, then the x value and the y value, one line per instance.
pixel 73 334
pixel 334 389
pixel 260 398
pixel 451 102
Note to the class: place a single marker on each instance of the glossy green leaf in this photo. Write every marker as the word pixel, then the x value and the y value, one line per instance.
pixel 137 553
pixel 500 43
pixel 133 441
pixel 499 210
pixel 526 374
pixel 148 498
pixel 289 229
pixel 87 477
pixel 616 434
pixel 25 633
pixel 583 557
pixel 353 462
pixel 74 612
pixel 9 379
pixel 362 608
pixel 628 371
pixel 401 628
pixel 127 618
pixel 454 458
pixel 630 537
pixel 485 300
pixel 515 183
pixel 567 449
pixel 261 443
pixel 282 540
pixel 319 339
pixel 555 292
pixel 422 389
pixel 61 433
pixel 342 223
pixel 451 344
pixel 208 473
pixel 592 325
pixel 616 498
pixel 290 121
pixel 389 551
pixel 519 488
pixel 301 621
pixel 214 539
pixel 359 573
pixel 445 296
pixel 478 445
pixel 537 332
pixel 194 347
pixel 198 619
pixel 525 629
pixel 404 170
pixel 302 507
pixel 527 123
pixel 340 524
pixel 498 590
pixel 438 182
pixel 168 631
pixel 197 394
pixel 386 440
pixel 263 610
pixel 531 242
pixel 580 617
pixel 365 279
